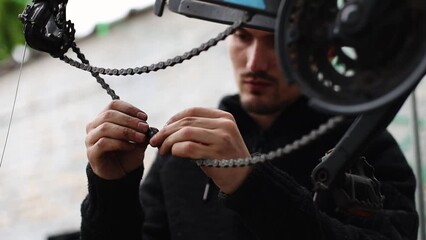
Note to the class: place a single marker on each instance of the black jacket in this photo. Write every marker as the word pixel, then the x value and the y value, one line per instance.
pixel 275 202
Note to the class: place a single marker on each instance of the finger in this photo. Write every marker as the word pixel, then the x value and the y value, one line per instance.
pixel 200 112
pixel 190 149
pixel 188 134
pixel 126 108
pixel 104 145
pixel 119 118
pixel 114 131
pixel 119 106
pixel 199 122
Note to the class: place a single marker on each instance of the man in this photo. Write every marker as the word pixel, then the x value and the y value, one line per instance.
pixel 272 200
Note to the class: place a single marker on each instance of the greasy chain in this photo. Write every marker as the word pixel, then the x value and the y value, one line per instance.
pixel 279 152
pixel 162 64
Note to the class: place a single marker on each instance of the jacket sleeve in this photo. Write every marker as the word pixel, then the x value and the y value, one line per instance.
pixel 272 204
pixel 156 226
pixel 112 210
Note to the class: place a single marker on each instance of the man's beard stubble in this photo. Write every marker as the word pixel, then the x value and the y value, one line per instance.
pixel 272 106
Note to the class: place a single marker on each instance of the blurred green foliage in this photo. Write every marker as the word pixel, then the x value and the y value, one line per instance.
pixel 11 29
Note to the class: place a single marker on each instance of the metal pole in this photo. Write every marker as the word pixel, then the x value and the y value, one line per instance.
pixel 419 172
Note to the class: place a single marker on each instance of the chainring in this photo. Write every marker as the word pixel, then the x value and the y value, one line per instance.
pixel 352 56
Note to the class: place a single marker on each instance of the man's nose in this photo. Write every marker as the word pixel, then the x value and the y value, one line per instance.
pixel 257 59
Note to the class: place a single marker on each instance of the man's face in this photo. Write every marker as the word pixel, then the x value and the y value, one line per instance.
pixel 263 89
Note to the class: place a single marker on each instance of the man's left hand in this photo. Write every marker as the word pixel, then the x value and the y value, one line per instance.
pixel 202 133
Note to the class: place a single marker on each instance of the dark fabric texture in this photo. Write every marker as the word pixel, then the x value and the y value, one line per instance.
pixel 111 210
pixel 275 201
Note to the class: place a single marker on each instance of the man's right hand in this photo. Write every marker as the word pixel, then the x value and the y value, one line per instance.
pixel 116 140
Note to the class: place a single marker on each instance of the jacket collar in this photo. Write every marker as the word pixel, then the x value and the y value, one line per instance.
pixel 295 121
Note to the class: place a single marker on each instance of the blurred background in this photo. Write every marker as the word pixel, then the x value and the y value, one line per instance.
pixel 42 176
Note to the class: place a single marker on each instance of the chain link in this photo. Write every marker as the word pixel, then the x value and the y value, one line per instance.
pixel 279 152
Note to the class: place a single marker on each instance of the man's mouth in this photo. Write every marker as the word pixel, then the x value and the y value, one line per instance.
pixel 257 83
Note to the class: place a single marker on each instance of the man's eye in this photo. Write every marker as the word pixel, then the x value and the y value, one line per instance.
pixel 243 37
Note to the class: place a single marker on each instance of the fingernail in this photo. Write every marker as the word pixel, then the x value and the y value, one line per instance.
pixel 142 126
pixel 142 115
pixel 140 137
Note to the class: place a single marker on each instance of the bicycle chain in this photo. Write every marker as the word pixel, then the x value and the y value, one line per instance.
pixel 69 27
pixel 279 152
pixel 96 71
